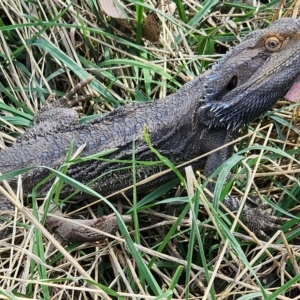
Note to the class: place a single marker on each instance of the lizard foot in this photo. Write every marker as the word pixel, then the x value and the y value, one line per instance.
pixel 259 220
pixel 68 231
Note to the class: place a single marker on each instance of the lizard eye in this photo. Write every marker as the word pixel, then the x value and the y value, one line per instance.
pixel 273 43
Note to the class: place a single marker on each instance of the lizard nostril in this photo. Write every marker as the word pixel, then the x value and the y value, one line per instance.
pixel 232 83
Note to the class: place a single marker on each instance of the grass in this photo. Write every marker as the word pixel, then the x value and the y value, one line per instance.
pixel 191 251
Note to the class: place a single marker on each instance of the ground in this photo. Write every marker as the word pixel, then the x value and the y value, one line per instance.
pixel 182 251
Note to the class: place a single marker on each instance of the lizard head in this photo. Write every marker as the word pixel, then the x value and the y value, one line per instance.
pixel 251 77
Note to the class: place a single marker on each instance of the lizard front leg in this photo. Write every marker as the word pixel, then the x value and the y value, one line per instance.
pixel 258 219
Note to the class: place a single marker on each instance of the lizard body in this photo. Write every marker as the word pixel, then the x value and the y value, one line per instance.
pixel 202 115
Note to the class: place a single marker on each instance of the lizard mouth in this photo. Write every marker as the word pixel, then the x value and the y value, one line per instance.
pixel 293 94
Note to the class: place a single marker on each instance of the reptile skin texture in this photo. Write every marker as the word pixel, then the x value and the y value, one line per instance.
pixel 201 116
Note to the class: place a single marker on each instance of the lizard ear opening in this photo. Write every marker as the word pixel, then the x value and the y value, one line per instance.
pixel 232 84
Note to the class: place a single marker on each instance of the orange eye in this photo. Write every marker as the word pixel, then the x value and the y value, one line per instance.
pixel 273 43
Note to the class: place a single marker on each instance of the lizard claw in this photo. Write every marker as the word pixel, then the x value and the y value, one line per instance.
pixel 259 220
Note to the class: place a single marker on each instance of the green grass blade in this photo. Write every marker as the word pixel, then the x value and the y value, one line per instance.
pixel 139 21
pixel 81 73
pixel 181 10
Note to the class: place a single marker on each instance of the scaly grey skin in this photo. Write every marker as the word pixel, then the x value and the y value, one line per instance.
pixel 204 114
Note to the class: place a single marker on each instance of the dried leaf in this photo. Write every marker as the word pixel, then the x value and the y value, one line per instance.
pixel 151 29
pixel 125 23
pixel 111 8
